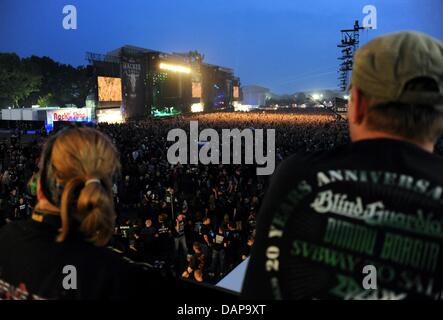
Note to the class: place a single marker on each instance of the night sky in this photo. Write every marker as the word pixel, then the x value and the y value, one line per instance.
pixel 285 45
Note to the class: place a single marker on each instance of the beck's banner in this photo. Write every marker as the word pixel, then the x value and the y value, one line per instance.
pixel 132 73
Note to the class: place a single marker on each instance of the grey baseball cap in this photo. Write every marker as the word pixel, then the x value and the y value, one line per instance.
pixel 386 64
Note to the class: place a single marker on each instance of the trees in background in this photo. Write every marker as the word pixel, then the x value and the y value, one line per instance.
pixel 42 81
pixel 18 79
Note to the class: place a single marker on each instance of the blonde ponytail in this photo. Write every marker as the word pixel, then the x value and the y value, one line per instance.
pixel 95 212
pixel 66 205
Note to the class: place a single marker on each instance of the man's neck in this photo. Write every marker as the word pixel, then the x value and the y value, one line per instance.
pixel 370 135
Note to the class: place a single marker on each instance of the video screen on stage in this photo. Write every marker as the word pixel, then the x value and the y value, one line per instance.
pixel 236 92
pixel 196 90
pixel 109 89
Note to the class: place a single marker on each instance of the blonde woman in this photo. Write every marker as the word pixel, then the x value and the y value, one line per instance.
pixel 59 253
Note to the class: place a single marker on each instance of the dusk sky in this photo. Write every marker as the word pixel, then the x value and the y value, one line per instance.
pixel 285 45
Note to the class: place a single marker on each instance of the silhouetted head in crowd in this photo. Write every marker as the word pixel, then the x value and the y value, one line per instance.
pixel 197 247
pixel 162 217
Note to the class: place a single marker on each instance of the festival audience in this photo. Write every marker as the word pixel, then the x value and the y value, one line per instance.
pixel 198 221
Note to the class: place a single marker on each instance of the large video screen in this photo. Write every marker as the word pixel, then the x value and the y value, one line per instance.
pixel 236 92
pixel 196 90
pixel 109 89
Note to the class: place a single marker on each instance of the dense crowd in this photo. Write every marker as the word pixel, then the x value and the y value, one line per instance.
pixel 18 167
pixel 198 221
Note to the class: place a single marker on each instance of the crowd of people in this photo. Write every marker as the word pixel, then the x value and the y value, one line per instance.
pixel 197 221
pixel 18 167
pixel 182 213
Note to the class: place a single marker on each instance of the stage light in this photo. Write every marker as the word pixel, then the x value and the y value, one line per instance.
pixel 316 96
pixel 109 116
pixel 346 97
pixel 176 68
pixel 241 107
pixel 197 107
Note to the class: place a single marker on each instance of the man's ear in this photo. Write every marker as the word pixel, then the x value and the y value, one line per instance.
pixel 360 106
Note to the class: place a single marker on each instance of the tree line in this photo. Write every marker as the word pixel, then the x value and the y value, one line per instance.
pixel 40 80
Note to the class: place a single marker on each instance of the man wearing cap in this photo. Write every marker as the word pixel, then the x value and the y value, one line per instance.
pixel 364 221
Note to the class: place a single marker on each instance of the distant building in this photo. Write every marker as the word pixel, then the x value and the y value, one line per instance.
pixel 255 95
